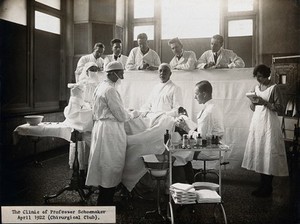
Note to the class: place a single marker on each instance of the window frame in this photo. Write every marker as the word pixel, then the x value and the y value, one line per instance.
pixel 225 16
pixel 29 106
pixel 154 21
pixel 230 16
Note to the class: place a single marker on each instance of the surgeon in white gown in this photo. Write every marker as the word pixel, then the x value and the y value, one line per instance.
pixel 108 145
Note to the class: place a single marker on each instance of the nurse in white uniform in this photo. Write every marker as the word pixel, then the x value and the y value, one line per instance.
pixel 108 147
pixel 265 149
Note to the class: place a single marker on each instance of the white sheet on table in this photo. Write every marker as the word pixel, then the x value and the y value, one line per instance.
pixel 142 142
pixel 44 129
pixel 229 89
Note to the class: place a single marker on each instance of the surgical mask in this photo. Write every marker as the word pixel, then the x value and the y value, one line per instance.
pixel 93 77
pixel 118 82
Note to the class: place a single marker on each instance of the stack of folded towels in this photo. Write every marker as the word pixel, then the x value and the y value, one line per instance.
pixel 206 192
pixel 202 192
pixel 183 193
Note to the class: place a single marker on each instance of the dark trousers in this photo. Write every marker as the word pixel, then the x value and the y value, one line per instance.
pixel 266 181
pixel 106 196
pixel 183 174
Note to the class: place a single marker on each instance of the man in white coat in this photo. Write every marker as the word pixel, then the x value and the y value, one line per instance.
pixel 165 97
pixel 98 51
pixel 142 57
pixel 209 119
pixel 218 57
pixel 116 46
pixel 183 60
pixel 108 145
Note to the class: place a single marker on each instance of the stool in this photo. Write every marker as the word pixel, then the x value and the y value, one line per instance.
pixel 158 167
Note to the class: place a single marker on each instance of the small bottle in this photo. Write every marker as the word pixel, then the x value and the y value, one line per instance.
pixel 185 141
pixel 166 136
pixel 188 143
pixel 213 141
pixel 192 142
pixel 208 141
pixel 204 142
pixel 198 141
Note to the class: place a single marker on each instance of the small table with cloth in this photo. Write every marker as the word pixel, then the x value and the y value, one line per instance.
pixel 59 130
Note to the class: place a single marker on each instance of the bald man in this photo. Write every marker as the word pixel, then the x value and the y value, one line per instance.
pixel 165 96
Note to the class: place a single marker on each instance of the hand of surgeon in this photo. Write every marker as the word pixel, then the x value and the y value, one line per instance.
pixel 182 124
pixel 144 114
pixel 134 114
pixel 182 111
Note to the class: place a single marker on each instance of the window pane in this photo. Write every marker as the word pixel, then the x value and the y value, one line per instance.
pixel 240 5
pixel 52 3
pixel 143 9
pixel 47 23
pixel 239 28
pixel 190 19
pixel 13 11
pixel 149 30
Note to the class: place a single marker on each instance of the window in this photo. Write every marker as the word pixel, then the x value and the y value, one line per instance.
pixel 190 19
pixel 240 5
pixel 143 9
pixel 35 84
pixel 52 3
pixel 47 23
pixel 149 30
pixel 14 11
pixel 240 28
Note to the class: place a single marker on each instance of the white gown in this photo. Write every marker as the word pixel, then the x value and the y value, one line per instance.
pixel 108 143
pixel 265 149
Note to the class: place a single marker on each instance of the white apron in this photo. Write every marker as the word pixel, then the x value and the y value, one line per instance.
pixel 107 155
pixel 108 141
pixel 265 149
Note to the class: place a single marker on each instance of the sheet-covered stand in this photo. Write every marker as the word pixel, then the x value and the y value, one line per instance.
pixel 59 130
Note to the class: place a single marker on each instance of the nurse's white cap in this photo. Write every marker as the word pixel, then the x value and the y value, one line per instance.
pixel 112 66
pixel 89 65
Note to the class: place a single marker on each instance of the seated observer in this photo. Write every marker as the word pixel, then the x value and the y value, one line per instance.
pixel 95 57
pixel 142 57
pixel 116 47
pixel 218 57
pixel 183 60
